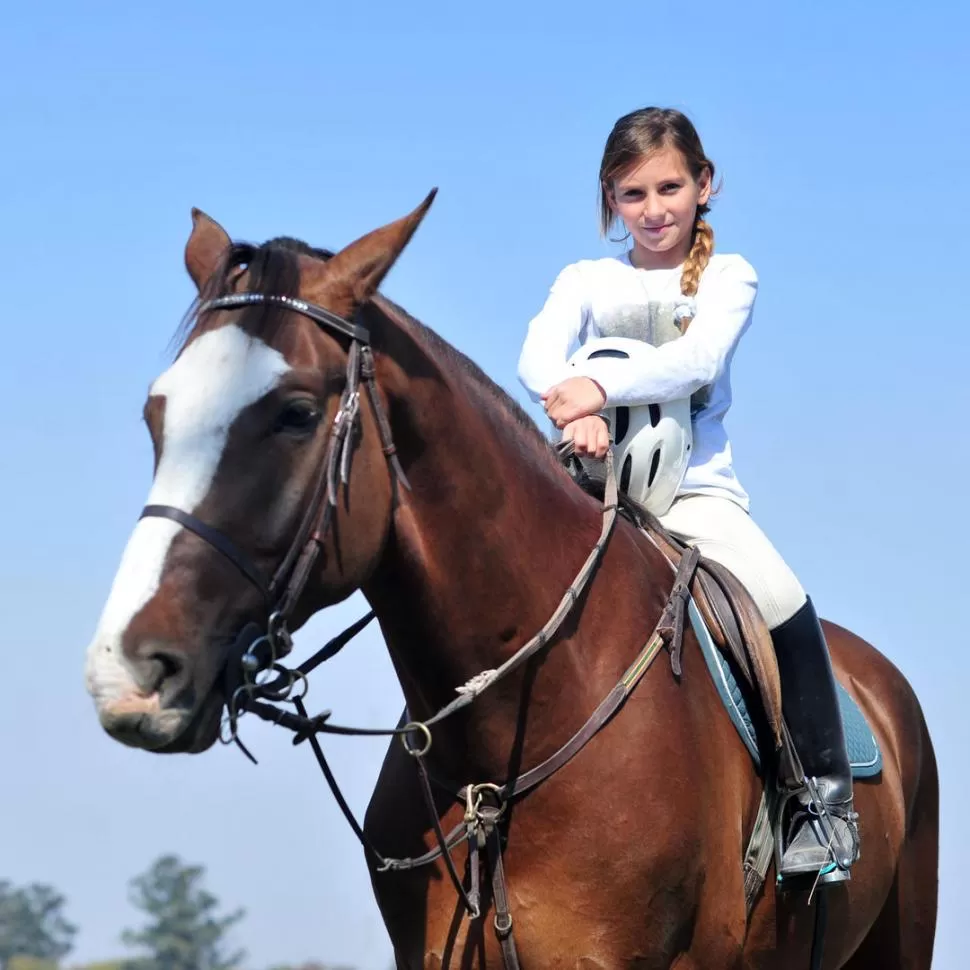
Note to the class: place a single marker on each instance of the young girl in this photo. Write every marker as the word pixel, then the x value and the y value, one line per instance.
pixel 656 179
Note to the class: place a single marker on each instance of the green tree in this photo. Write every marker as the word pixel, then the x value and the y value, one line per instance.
pixel 183 929
pixel 32 924
pixel 31 963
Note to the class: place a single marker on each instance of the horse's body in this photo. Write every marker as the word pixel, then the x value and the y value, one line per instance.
pixel 630 855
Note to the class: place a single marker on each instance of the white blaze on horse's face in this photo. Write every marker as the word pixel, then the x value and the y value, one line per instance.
pixel 218 375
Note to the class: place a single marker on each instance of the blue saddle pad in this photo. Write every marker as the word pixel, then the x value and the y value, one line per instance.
pixel 864 754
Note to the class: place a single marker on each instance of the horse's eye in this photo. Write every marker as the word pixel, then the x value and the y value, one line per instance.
pixel 298 417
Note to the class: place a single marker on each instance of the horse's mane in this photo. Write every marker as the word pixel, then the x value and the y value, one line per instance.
pixel 273 270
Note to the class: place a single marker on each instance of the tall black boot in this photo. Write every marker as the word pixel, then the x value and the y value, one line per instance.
pixel 811 708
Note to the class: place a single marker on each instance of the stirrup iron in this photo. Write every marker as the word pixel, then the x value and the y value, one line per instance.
pixel 824 822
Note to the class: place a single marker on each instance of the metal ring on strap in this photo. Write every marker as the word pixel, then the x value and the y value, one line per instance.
pixel 416 726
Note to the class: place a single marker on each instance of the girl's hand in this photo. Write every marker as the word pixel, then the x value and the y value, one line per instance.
pixel 573 398
pixel 590 436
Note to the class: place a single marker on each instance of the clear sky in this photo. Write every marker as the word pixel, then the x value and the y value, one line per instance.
pixel 840 130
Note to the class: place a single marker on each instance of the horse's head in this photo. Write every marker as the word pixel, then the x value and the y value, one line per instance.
pixel 268 405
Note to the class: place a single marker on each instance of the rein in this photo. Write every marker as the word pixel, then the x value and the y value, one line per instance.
pixel 255 681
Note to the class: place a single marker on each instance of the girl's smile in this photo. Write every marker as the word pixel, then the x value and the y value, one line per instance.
pixel 657 201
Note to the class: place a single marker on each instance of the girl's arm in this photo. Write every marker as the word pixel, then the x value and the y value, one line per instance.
pixel 552 334
pixel 676 369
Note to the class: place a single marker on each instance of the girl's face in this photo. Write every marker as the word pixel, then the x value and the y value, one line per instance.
pixel 657 201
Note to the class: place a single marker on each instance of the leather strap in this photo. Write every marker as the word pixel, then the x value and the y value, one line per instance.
pixel 471 905
pixel 213 537
pixel 758 855
pixel 671 625
pixel 237 301
pixel 500 895
pixel 332 782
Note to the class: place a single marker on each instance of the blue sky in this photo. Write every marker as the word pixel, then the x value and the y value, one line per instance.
pixel 840 132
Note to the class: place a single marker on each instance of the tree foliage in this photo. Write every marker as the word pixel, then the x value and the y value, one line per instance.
pixel 183 930
pixel 31 963
pixel 33 925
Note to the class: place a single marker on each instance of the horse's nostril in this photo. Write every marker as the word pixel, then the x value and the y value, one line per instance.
pixel 157 669
pixel 171 668
pixel 171 665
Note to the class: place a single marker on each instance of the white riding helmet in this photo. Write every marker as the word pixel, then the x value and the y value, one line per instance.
pixel 651 442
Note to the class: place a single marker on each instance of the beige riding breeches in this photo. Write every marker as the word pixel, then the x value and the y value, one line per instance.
pixel 724 532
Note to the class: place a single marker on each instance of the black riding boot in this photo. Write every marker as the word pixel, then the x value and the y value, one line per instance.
pixel 811 708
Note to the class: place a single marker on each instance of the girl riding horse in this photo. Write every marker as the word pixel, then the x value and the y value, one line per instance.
pixel 656 179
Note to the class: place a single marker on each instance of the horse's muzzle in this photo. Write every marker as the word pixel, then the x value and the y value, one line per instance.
pixel 142 722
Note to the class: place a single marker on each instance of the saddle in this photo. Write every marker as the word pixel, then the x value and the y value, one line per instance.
pixel 740 633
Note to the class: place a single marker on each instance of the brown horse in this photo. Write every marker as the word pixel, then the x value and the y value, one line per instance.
pixel 463 542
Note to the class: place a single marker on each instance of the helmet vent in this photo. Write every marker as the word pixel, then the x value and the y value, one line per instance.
pixel 609 352
pixel 622 425
pixel 654 415
pixel 654 466
pixel 626 472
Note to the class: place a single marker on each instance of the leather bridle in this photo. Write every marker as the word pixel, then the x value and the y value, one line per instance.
pixel 259 647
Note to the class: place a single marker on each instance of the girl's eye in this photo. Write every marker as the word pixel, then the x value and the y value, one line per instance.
pixel 668 188
pixel 298 417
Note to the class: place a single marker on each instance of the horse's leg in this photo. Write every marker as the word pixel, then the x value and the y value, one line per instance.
pixel 395 822
pixel 903 935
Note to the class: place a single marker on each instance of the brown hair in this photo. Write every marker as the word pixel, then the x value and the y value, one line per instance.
pixel 638 134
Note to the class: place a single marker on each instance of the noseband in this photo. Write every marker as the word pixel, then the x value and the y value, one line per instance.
pixel 259 647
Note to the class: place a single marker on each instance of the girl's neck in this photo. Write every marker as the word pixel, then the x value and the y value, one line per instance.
pixel 642 258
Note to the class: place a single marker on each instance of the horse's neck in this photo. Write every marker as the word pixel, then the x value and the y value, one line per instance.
pixel 482 549
pixel 483 546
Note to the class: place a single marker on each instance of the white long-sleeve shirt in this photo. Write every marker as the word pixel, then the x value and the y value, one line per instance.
pixel 592 298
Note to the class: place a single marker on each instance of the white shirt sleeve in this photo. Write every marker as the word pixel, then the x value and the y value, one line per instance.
pixel 552 333
pixel 652 375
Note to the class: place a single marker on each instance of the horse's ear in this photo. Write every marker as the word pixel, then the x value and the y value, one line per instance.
pixel 353 275
pixel 205 248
